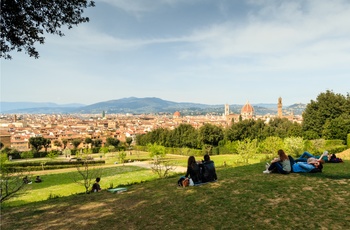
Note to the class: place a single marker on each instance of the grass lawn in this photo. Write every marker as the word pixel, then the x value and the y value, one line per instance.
pixel 243 198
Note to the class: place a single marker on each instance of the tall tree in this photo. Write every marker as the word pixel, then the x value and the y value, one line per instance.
pixel 319 114
pixel 24 22
pixel 37 143
pixel 64 142
pixel 128 140
pixel 46 144
pixel 112 142
pixel 76 143
pixel 210 134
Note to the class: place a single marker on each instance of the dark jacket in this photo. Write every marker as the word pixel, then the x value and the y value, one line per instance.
pixel 194 172
pixel 96 187
pixel 208 172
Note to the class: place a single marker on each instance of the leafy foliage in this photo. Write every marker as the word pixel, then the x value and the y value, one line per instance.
pixel 11 181
pixel 38 143
pixel 327 117
pixel 24 22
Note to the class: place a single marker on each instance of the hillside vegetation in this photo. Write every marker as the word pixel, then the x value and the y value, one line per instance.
pixel 243 198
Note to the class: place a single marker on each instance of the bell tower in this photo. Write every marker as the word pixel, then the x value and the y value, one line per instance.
pixel 279 107
pixel 227 109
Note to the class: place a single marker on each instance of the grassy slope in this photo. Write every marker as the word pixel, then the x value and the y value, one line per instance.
pixel 244 198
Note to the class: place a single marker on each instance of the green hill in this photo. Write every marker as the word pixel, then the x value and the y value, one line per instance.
pixel 243 198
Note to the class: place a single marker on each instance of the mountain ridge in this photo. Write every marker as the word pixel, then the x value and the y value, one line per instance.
pixel 136 105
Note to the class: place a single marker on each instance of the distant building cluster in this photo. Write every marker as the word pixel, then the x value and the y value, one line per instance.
pixel 15 131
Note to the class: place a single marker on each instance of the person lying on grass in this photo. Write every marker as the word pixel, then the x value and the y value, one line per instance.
pixel 311 166
pixel 306 156
pixel 281 164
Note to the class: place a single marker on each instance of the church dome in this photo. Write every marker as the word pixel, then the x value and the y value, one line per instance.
pixel 177 114
pixel 247 109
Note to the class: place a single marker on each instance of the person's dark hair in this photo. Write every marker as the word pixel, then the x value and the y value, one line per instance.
pixel 206 157
pixel 191 161
pixel 98 179
pixel 320 166
pixel 283 156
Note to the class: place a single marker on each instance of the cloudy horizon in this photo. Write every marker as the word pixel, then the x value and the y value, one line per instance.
pixel 209 52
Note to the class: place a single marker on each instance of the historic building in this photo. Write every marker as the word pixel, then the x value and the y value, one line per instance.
pixel 247 111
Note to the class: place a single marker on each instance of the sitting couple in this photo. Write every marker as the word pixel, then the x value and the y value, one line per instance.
pixel 286 164
pixel 201 172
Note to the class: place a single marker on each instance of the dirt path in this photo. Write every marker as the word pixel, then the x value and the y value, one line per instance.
pixel 143 164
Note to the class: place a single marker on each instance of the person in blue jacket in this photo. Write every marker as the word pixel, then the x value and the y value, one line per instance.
pixel 306 167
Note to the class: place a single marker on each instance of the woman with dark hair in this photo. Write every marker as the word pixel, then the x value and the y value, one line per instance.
pixel 280 164
pixel 193 170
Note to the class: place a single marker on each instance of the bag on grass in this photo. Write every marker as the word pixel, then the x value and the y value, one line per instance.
pixel 185 182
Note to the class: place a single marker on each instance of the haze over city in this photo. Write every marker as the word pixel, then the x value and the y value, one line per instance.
pixel 211 52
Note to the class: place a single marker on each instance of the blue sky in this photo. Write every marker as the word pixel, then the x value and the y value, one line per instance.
pixel 203 51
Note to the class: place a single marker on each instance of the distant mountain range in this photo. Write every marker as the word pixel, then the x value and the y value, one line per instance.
pixel 133 105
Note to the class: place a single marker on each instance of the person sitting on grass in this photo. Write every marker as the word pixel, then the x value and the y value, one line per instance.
pixel 312 166
pixel 38 179
pixel 193 170
pixel 96 186
pixel 306 155
pixel 280 164
pixel 26 180
pixel 208 170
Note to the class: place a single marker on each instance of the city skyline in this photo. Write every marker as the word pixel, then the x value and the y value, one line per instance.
pixel 208 52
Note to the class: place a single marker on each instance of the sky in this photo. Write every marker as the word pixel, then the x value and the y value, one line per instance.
pixel 200 51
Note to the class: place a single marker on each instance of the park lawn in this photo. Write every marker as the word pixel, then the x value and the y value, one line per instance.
pixel 63 184
pixel 243 198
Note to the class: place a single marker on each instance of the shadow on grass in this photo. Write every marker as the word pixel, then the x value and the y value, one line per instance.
pixel 243 198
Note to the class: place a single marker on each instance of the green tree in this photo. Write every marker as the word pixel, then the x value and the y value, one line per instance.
pixel 97 143
pixel 76 143
pixel 11 181
pixel 57 143
pixel 160 166
pixel 37 143
pixel 24 22
pixel 27 155
pixel 247 149
pixel 46 144
pixel 112 142
pixel 185 135
pixel 319 114
pixel 293 145
pixel 121 156
pixel 64 142
pixel 210 134
pixel 337 128
pixel 271 145
pixel 87 174
pixel 52 155
pixel 88 141
pixel 128 140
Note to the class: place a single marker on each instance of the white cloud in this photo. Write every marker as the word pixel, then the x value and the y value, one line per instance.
pixel 140 7
pixel 281 37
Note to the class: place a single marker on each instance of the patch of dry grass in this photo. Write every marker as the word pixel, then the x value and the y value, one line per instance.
pixel 243 198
